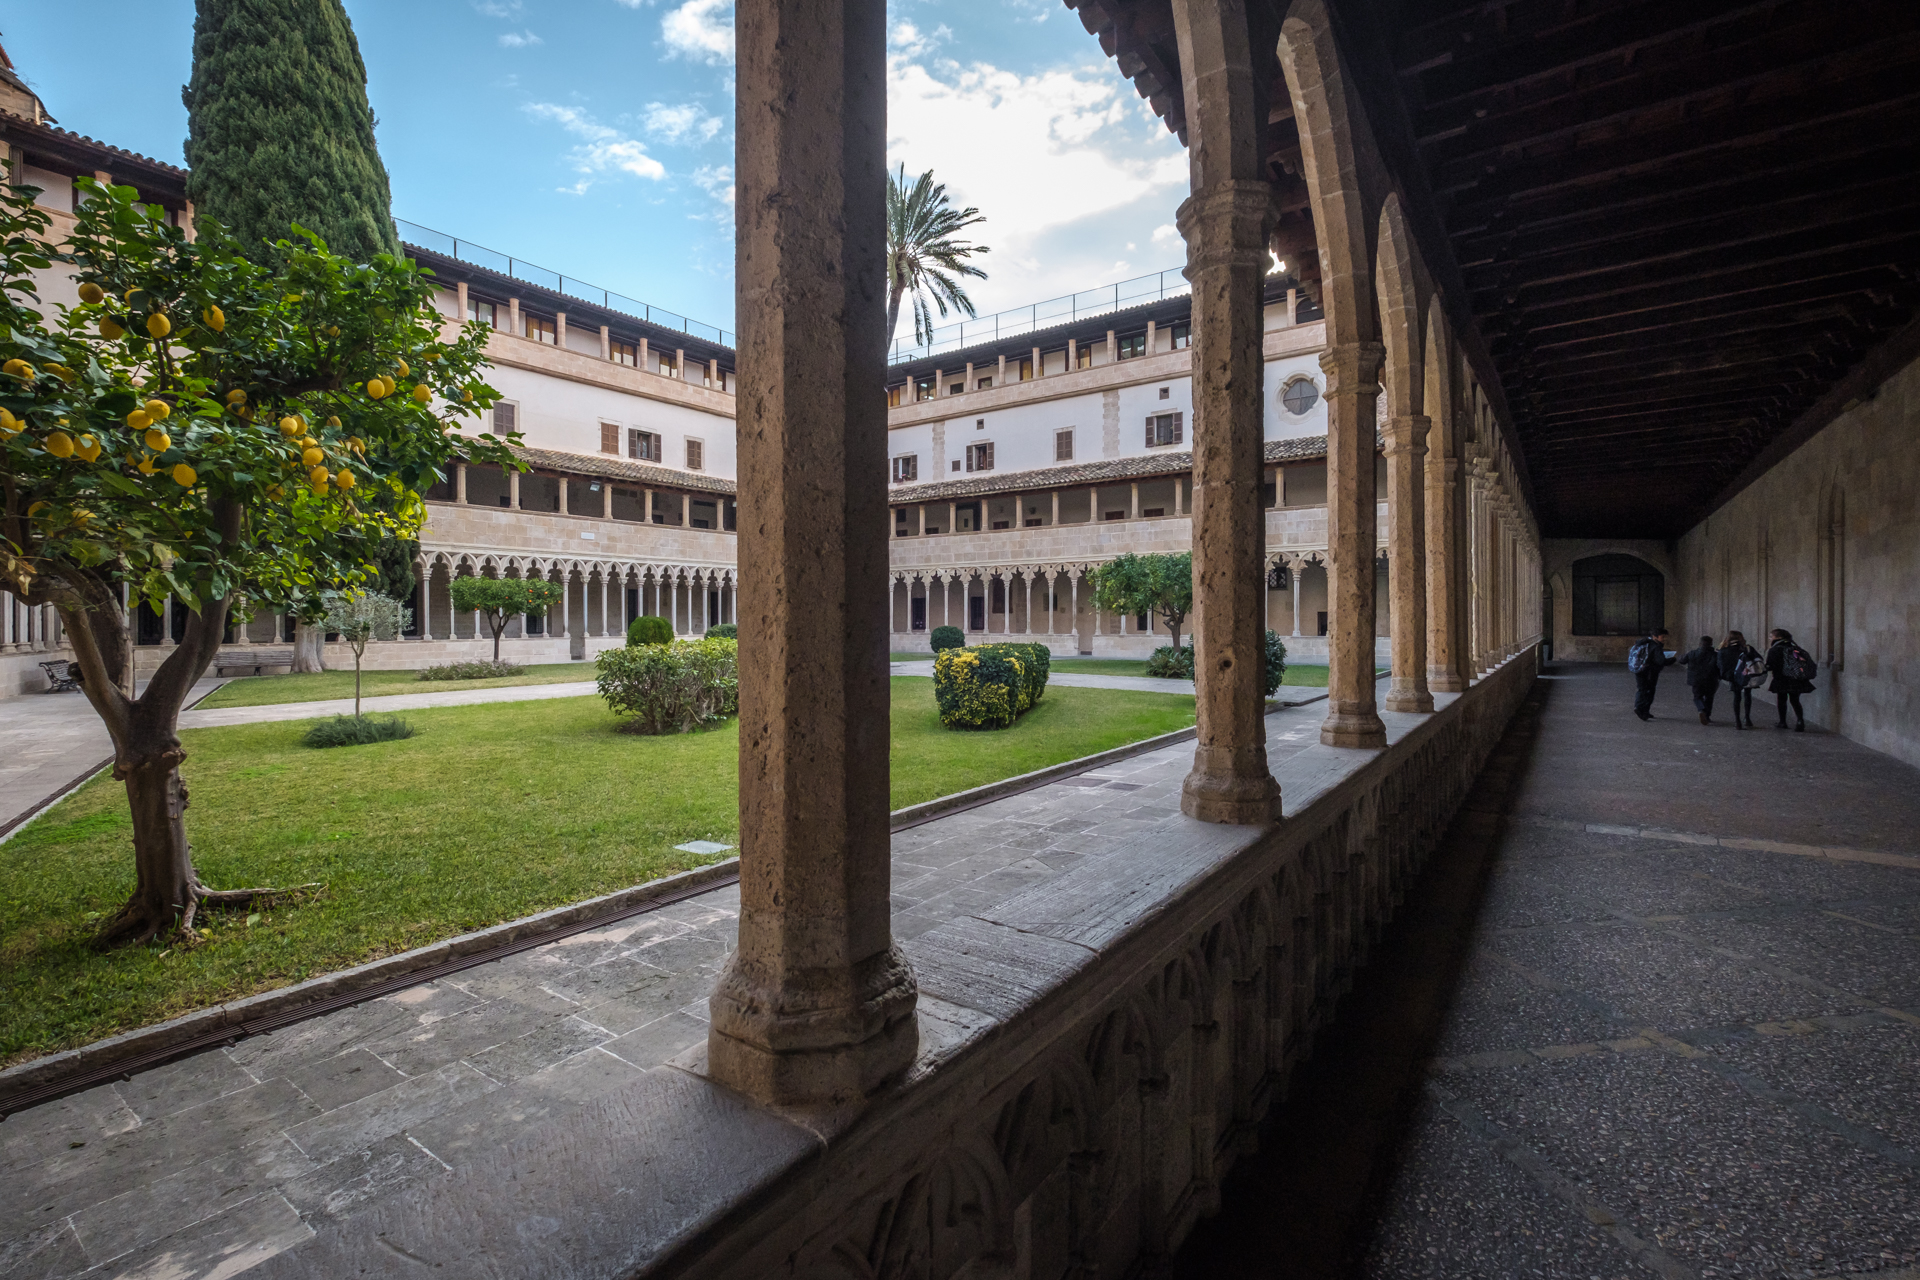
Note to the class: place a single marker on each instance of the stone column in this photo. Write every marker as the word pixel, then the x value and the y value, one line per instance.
pixel 1133 500
pixel 460 483
pixel 424 574
pixel 1353 387
pixel 1293 578
pixel 565 497
pixel 1073 605
pixel 953 517
pixel 513 489
pixel 606 499
pixel 606 343
pixel 1028 630
pixel 1446 673
pixel 1407 562
pixel 817 1003
pixel 1056 508
pixel 1225 226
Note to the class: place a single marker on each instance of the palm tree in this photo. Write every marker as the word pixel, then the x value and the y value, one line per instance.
pixel 923 257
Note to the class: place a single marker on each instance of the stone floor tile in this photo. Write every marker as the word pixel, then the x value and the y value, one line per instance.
pixel 176 1086
pixel 621 1012
pixel 379 1170
pixel 656 1042
pixel 343 1078
pixel 198 1189
pixel 1841 953
pixel 486 1124
pixel 52 1128
pixel 1865 1073
pixel 378 1115
pixel 47 1254
pixel 706 948
pixel 419 1050
pixel 538 1049
pixel 229 1245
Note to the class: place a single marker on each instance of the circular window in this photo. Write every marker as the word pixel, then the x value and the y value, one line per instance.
pixel 1300 396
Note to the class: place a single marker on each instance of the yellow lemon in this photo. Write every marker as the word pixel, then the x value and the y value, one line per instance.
pixel 91 293
pixel 308 442
pixel 377 388
pixel 356 444
pixel 404 371
pixel 215 319
pixel 111 331
pixel 319 477
pixel 183 475
pixel 158 410
pixel 146 467
pixel 422 392
pixel 60 445
pixel 81 515
pixel 139 420
pixel 344 480
pixel 333 422
pixel 246 412
pixel 333 331
pixel 313 457
pixel 8 423
pixel 36 509
pixel 466 395
pixel 276 492
pixel 289 426
pixel 157 440
pixel 61 372
pixel 89 448
pixel 18 368
pixel 158 325
pixel 236 396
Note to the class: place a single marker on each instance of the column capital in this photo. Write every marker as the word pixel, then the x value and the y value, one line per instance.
pixel 1353 369
pixel 1407 434
pixel 1227 225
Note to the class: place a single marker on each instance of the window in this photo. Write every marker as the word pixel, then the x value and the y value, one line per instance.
pixel 505 416
pixel 980 457
pixel 895 395
pixel 1063 445
pixel 956 464
pixel 917 613
pixel 1026 369
pixel 1166 393
pixel 906 467
pixel 1083 356
pixel 922 389
pixel 1114 515
pixel 1133 345
pixel 955 388
pixel 610 438
pixel 643 445
pixel 1034 523
pixel 1154 512
pixel 666 366
pixel 696 455
pixel 983 384
pixel 1165 429
pixel 481 311
pixel 979 424
pixel 1279 578
pixel 1300 396
pixel 542 331
pixel 627 353
pixel 1182 335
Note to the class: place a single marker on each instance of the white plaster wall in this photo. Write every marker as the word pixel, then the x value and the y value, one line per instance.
pixel 1827 545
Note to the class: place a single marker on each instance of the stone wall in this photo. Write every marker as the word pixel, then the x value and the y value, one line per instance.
pixel 1115 1040
pixel 1560 555
pixel 1827 545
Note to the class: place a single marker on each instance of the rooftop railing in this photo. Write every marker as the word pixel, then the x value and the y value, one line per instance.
pixel 519 269
pixel 1039 315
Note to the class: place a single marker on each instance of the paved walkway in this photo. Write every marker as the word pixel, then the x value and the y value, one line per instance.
pixel 215 1164
pixel 1654 1010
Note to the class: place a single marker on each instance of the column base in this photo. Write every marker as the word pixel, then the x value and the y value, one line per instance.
pixel 1231 787
pixel 808 1053
pixel 1444 682
pixel 1353 729
pixel 1415 699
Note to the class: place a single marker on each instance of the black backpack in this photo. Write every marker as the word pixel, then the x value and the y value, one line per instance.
pixel 1797 664
pixel 1639 656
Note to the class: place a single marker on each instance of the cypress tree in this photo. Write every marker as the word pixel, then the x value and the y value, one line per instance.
pixel 279 129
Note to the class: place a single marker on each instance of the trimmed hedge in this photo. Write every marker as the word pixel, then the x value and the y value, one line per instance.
pixel 723 631
pixel 472 671
pixel 1170 663
pixel 947 638
pixel 671 688
pixel 648 629
pixel 356 731
pixel 989 685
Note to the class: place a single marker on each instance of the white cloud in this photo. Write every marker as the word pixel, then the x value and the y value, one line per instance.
pixel 1058 157
pixel 716 181
pixel 687 122
pixel 1166 235
pixel 907 40
pixel 700 31
pixel 519 40
pixel 498 8
pixel 604 149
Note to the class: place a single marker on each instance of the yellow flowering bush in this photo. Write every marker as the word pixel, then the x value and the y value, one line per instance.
pixel 989 685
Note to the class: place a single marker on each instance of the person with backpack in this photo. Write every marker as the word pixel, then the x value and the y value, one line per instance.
pixel 1793 671
pixel 1742 667
pixel 1703 676
pixel 1648 655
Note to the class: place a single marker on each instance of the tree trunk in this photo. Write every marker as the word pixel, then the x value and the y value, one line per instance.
pixel 165 884
pixel 893 310
pixel 497 627
pixel 356 684
pixel 308 655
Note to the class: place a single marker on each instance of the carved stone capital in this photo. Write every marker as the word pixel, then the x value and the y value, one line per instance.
pixel 1407 434
pixel 1353 369
pixel 1227 225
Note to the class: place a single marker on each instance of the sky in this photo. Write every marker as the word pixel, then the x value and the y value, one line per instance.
pixel 595 137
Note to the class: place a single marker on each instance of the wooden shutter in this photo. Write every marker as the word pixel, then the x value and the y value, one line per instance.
pixel 694 455
pixel 1179 426
pixel 503 416
pixel 1150 418
pixel 609 438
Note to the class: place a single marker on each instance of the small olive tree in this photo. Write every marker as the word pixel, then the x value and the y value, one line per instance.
pixel 499 600
pixel 1159 584
pixel 360 616
pixel 206 428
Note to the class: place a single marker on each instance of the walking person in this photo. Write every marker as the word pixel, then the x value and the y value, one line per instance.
pixel 1703 676
pixel 1742 667
pixel 1645 659
pixel 1793 670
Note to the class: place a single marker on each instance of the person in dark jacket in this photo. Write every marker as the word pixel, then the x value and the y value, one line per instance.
pixel 1648 677
pixel 1703 676
pixel 1733 654
pixel 1784 688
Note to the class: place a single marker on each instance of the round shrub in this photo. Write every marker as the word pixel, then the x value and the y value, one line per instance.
pixel 723 631
pixel 989 685
pixel 648 629
pixel 356 731
pixel 1276 663
pixel 671 688
pixel 947 638
pixel 1169 663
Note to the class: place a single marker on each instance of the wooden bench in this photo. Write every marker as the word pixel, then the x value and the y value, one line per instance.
pixel 64 676
pixel 251 661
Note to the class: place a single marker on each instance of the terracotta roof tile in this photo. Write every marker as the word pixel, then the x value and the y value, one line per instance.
pixel 622 469
pixel 81 140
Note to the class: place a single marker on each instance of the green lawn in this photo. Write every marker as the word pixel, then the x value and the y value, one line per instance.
pixel 489 813
pixel 259 691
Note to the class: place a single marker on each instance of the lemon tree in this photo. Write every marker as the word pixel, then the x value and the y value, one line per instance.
pixel 204 428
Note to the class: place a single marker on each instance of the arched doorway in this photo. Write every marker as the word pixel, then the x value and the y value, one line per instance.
pixel 1617 595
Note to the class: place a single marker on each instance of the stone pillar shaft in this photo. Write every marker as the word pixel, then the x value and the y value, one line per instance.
pixel 1353 388
pixel 1445 671
pixel 1226 227
pixel 1407 562
pixel 817 1004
